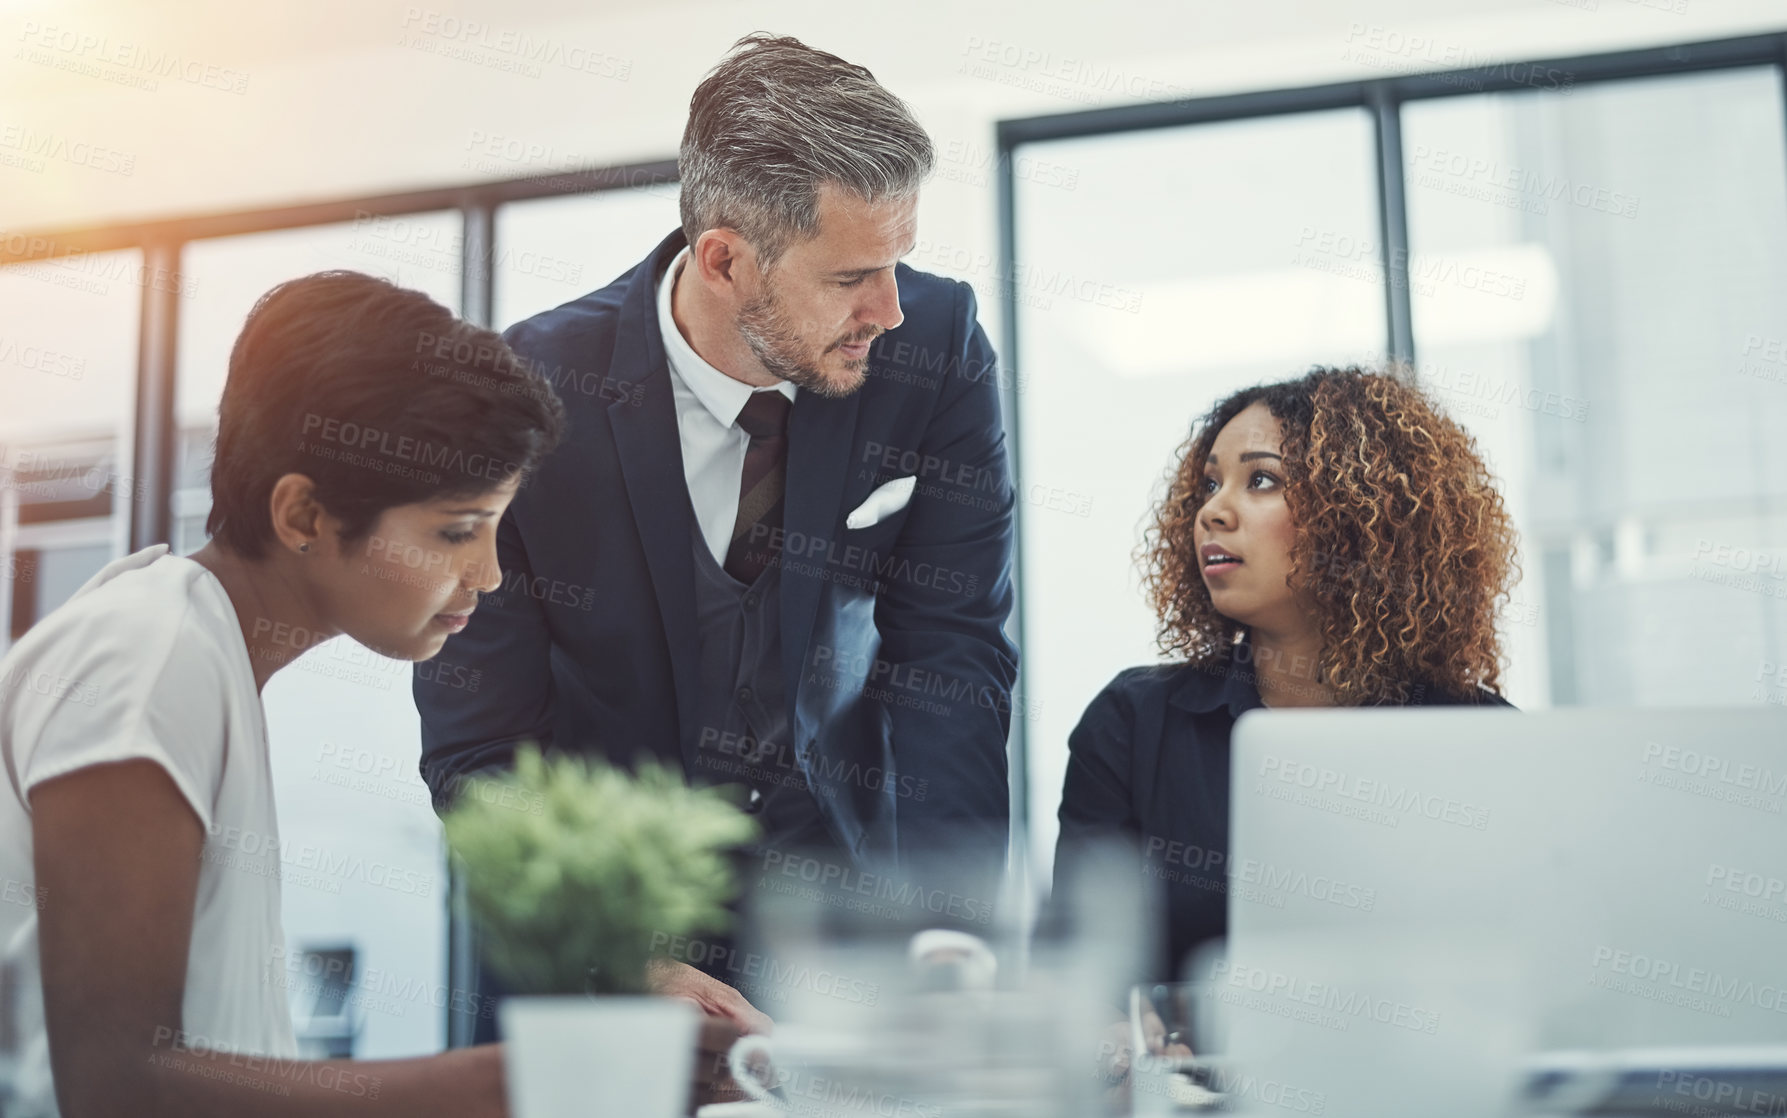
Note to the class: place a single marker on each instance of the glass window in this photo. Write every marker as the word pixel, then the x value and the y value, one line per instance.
pixel 1157 271
pixel 552 250
pixel 1600 293
pixel 360 842
pixel 230 273
pixel 68 357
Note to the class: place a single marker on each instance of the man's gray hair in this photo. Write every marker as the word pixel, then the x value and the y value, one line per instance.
pixel 776 119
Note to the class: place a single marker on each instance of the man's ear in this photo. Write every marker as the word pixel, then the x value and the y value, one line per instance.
pixel 718 255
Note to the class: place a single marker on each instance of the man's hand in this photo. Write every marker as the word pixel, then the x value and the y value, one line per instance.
pixel 671 979
pixel 727 1017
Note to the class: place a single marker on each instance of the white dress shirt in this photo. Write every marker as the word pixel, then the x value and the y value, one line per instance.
pixel 708 403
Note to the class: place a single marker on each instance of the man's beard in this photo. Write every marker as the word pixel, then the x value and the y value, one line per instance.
pixel 766 328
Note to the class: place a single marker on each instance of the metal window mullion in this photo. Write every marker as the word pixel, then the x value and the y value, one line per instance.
pixel 1386 113
pixel 151 478
pixel 477 305
pixel 1019 741
pixel 477 270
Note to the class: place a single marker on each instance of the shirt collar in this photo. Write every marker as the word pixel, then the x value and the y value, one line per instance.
pixel 720 394
pixel 1229 683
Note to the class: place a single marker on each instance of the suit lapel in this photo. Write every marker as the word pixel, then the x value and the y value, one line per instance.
pixel 650 451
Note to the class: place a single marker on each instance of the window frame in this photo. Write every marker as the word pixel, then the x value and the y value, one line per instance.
pixel 1383 99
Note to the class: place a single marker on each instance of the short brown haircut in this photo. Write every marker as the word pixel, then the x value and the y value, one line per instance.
pixel 376 393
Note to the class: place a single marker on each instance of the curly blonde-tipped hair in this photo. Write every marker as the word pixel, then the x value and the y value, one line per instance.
pixel 1402 541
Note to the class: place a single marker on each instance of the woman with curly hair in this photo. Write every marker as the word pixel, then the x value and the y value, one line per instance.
pixel 1332 540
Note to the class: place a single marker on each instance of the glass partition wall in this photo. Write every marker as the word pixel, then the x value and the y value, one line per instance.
pixel 1591 271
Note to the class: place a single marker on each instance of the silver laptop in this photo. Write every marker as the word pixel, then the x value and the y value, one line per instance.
pixel 1597 881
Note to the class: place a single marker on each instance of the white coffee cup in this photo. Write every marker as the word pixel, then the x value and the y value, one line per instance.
pixel 838 1056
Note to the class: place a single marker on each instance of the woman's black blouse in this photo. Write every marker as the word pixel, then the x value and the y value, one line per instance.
pixel 1149 762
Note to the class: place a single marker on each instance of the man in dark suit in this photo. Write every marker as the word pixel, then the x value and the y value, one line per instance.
pixel 774 548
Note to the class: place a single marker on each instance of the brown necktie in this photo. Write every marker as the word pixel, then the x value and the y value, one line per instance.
pixel 756 534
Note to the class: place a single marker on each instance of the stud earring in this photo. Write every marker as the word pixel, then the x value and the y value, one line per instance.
pixel 303 547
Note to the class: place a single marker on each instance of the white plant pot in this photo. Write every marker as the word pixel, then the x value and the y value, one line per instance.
pixel 576 1056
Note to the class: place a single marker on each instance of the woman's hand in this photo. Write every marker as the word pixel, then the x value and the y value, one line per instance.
pixel 1159 1042
pixel 1117 1058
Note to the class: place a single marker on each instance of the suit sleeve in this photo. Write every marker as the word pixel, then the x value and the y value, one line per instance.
pixel 490 689
pixel 944 611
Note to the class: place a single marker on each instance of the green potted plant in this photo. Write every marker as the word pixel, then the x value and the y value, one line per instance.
pixel 573 869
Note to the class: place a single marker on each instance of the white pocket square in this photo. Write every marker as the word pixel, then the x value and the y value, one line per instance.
pixel 882 503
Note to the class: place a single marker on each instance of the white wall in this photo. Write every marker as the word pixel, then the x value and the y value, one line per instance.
pixel 349 97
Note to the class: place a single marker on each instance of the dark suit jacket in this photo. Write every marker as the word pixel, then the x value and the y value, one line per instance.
pixel 898 670
pixel 1149 764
